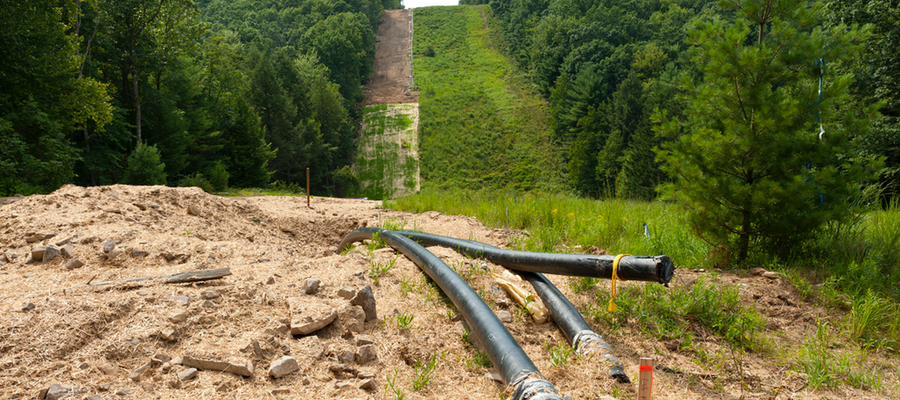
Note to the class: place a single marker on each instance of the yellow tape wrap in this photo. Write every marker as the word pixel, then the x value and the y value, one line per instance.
pixel 612 304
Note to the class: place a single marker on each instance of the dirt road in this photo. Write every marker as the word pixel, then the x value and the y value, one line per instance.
pixel 389 84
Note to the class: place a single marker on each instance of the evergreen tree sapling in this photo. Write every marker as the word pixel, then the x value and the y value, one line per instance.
pixel 748 159
pixel 144 167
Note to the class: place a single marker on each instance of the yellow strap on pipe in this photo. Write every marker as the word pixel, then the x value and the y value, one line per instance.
pixel 612 304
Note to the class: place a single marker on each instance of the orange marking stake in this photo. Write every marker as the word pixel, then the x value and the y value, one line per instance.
pixel 645 379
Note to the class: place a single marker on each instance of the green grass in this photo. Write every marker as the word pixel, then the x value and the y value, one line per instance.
pixel 481 123
pixel 559 222
pixel 424 372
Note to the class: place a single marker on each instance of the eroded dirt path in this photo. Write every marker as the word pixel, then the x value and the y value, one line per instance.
pixel 389 83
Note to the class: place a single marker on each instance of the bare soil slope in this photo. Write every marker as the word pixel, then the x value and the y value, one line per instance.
pixel 389 84
pixel 56 332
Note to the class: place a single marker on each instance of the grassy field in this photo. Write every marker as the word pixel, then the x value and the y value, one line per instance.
pixel 852 270
pixel 387 162
pixel 482 125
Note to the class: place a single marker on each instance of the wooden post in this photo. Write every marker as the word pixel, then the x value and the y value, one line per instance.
pixel 645 379
pixel 307 187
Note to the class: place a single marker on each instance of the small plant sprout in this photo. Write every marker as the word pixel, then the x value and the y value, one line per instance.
pixel 377 269
pixel 404 321
pixel 398 392
pixel 424 372
pixel 559 354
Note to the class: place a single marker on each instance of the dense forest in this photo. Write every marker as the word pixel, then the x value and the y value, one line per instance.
pixel 607 67
pixel 209 93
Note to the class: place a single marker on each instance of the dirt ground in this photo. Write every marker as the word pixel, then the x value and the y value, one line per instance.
pixel 93 340
pixel 390 82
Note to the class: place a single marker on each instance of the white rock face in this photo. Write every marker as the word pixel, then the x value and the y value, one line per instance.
pixel 283 366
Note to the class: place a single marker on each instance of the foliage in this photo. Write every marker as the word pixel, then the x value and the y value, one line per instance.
pixel 218 177
pixel 425 372
pixel 480 122
pixel 750 160
pixel 145 167
pixel 197 180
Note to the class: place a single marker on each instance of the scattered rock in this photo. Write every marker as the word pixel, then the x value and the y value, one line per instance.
pixel 342 369
pixel 366 354
pixel 68 251
pixel 309 347
pixel 311 286
pixel 28 306
pixel 57 391
pixel 178 317
pixel 364 340
pixel 505 316
pixel 187 374
pixel 175 383
pixel 309 315
pixel 107 369
pixel 94 397
pixel 136 374
pixel 158 359
pixel 767 274
pixel 167 334
pixel 280 391
pixel 339 385
pixel 365 299
pixel 365 375
pixel 208 304
pixel 64 241
pixel 368 385
pixel 194 210
pixel 183 300
pixel 83 365
pixel 270 281
pixel 209 294
pixel 89 240
pixel 74 263
pixel 51 251
pixel 9 256
pixel 345 356
pixel 346 292
pixel 244 368
pixel 165 368
pixel 283 366
pixel 37 237
pixel 497 291
pixel 143 292
pixel 109 245
pixel 140 253
pixel 352 319
pixel 37 253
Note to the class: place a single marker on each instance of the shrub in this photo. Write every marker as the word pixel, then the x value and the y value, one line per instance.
pixel 144 167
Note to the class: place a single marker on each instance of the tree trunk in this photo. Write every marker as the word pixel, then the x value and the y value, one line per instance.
pixel 137 105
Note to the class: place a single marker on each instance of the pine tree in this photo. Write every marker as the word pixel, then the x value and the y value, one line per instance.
pixel 750 163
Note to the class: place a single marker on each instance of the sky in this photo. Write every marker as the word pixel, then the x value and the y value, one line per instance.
pixel 426 3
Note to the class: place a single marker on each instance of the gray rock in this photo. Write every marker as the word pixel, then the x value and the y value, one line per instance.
pixel 94 397
pixel 68 251
pixel 209 294
pixel 210 363
pixel 283 366
pixel 10 256
pixel 136 374
pixel 342 369
pixel 57 391
pixel 158 359
pixel 51 252
pixel 366 354
pixel 364 340
pixel 187 374
pixel 339 385
pixel 310 314
pixel 368 385
pixel 208 304
pixel 28 306
pixel 143 292
pixel 345 356
pixel 74 263
pixel 183 300
pixel 346 292
pixel 365 375
pixel 352 318
pixel 504 316
pixel 124 392
pixel 365 299
pixel 194 210
pixel 88 240
pixel 311 286
pixel 270 281
pixel 497 291
pixel 64 241
pixel 109 245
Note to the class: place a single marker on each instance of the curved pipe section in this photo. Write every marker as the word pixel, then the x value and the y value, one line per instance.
pixel 513 364
pixel 579 334
pixel 631 268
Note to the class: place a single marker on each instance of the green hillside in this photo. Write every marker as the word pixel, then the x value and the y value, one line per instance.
pixel 481 124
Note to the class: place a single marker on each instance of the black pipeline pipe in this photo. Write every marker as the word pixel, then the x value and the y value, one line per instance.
pixel 579 334
pixel 514 366
pixel 630 268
